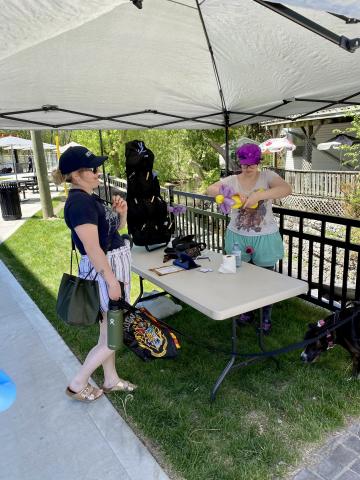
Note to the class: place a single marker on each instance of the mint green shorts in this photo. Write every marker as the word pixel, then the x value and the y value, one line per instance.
pixel 268 249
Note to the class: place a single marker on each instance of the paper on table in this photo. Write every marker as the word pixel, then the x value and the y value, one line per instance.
pixel 166 269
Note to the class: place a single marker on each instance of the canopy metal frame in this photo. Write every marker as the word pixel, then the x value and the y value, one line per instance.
pixel 176 119
pixel 348 44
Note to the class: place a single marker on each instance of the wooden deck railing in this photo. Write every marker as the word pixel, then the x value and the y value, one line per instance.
pixel 319 183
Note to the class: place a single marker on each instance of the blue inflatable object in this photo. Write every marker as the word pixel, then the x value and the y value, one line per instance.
pixel 7 391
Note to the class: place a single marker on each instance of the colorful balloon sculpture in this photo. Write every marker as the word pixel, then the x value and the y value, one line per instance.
pixel 228 199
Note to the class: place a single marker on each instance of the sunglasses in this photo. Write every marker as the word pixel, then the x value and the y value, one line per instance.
pixel 93 170
pixel 245 167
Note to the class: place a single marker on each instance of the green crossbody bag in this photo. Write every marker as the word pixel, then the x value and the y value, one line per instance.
pixel 78 300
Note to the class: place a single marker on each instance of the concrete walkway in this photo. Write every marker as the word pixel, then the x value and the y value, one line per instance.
pixel 338 459
pixel 29 206
pixel 45 435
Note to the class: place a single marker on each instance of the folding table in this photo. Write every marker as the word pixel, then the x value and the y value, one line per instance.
pixel 217 295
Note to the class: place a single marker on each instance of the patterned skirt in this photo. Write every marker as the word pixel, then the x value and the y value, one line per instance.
pixel 120 262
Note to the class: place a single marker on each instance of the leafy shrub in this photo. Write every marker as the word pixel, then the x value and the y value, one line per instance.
pixel 352 198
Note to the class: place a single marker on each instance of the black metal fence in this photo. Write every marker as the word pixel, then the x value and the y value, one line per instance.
pixel 323 250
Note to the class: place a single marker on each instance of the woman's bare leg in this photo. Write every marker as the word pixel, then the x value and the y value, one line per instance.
pixel 99 355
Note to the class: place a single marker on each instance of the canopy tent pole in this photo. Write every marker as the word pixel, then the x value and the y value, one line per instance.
pixel 221 93
pixel 348 44
pixel 227 158
pixel 42 174
pixel 57 143
pixel 103 166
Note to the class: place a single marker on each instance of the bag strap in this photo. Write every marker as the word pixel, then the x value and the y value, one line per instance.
pixel 73 249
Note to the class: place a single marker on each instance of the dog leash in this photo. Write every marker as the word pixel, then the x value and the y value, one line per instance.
pixel 270 353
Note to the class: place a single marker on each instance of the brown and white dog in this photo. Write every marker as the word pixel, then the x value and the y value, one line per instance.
pixel 341 328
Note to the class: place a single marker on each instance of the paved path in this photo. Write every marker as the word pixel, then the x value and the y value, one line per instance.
pixel 29 206
pixel 339 459
pixel 45 435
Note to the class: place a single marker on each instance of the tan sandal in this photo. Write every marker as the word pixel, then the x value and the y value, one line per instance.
pixel 121 386
pixel 87 394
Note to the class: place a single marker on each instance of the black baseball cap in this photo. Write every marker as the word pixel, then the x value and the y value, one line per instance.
pixel 75 158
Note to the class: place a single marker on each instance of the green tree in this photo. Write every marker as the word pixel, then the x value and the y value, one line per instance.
pixel 352 153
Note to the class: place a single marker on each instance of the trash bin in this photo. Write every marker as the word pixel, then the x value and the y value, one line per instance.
pixel 10 201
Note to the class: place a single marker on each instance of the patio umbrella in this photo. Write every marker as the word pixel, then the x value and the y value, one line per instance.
pixel 338 141
pixel 46 146
pixel 276 145
pixel 12 143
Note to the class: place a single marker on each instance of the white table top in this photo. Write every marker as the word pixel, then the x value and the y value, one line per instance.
pixel 218 295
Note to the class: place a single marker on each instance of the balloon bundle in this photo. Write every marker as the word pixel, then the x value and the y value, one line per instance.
pixel 228 199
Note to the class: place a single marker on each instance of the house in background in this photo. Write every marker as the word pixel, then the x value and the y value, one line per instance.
pixel 307 133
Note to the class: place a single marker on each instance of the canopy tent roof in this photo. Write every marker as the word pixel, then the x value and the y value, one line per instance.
pixel 106 64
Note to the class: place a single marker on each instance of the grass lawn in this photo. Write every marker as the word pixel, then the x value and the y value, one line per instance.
pixel 263 417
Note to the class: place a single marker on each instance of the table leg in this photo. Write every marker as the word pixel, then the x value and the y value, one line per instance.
pixel 260 334
pixel 141 280
pixel 148 297
pixel 229 365
pixel 232 365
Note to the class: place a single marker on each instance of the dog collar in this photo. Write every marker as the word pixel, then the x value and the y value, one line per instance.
pixel 330 341
pixel 329 338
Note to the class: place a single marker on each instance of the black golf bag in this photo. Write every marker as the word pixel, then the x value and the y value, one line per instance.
pixel 149 222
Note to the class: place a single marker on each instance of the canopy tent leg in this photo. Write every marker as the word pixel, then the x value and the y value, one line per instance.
pixel 105 180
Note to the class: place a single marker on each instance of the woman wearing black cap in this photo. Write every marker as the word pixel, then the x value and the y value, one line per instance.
pixel 94 228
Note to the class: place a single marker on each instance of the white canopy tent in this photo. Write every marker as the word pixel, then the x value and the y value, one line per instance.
pixel 173 64
pixel 14 142
pixel 46 146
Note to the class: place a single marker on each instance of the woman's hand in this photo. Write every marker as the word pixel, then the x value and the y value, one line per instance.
pixel 253 199
pixel 119 205
pixel 242 197
pixel 114 290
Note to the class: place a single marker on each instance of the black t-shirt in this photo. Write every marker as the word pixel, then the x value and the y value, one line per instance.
pixel 81 207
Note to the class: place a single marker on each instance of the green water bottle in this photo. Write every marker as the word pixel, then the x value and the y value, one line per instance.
pixel 115 318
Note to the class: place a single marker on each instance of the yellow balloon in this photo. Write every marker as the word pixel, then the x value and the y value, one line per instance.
pixel 219 198
pixel 257 203
pixel 238 203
